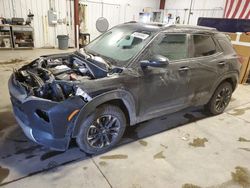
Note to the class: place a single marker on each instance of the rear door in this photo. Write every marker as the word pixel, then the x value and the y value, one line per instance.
pixel 207 64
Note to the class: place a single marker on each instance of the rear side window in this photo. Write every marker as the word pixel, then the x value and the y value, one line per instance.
pixel 203 46
pixel 172 46
pixel 226 46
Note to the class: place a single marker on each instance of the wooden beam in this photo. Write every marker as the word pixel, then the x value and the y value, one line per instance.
pixel 162 4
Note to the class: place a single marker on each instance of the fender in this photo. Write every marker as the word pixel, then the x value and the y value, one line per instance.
pixel 90 107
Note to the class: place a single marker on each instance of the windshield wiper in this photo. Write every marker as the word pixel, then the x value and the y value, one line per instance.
pixel 108 60
pixel 85 53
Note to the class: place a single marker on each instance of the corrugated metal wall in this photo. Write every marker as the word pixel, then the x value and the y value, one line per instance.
pixel 204 8
pixel 116 12
pixel 96 10
pixel 196 13
pixel 44 35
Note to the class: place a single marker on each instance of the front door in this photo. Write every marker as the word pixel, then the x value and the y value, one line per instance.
pixel 164 90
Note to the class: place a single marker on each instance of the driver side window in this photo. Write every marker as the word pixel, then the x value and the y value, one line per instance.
pixel 172 46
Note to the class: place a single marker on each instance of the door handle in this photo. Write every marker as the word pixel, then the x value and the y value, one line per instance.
pixel 181 69
pixel 221 63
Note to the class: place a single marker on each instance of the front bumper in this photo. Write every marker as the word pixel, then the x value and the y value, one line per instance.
pixel 44 121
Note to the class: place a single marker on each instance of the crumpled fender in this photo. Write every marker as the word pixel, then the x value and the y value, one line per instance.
pixel 90 107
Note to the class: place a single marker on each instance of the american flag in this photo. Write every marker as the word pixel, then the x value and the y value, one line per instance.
pixel 237 9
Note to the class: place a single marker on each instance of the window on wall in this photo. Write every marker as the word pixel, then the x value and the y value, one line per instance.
pixel 172 46
pixel 203 45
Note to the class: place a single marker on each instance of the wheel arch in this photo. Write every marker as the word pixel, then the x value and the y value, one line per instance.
pixel 232 78
pixel 120 103
pixel 120 98
pixel 232 81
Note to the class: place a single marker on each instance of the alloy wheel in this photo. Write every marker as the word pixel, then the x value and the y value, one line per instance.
pixel 103 131
pixel 222 99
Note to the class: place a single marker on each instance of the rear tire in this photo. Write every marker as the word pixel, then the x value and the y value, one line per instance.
pixel 220 99
pixel 102 130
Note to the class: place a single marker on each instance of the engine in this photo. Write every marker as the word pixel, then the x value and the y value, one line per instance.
pixel 55 77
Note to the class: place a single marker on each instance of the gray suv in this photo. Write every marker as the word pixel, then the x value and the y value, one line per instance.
pixel 132 73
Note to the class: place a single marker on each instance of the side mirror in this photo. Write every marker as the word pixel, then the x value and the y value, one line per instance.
pixel 156 61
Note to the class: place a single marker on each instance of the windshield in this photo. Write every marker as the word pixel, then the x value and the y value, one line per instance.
pixel 119 44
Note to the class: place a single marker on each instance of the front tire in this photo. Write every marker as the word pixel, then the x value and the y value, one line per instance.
pixel 102 130
pixel 220 99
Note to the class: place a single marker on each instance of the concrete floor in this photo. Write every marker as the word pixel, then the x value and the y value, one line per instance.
pixel 197 151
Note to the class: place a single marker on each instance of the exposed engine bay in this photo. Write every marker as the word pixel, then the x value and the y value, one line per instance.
pixel 56 77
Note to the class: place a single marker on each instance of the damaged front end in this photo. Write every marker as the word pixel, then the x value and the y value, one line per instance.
pixel 56 78
pixel 46 96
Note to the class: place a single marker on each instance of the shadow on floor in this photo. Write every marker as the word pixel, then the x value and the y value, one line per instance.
pixel 6 119
pixel 21 157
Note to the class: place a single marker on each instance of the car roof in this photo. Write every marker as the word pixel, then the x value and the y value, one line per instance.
pixel 157 27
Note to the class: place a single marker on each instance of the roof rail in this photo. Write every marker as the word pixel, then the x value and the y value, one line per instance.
pixel 172 25
pixel 131 22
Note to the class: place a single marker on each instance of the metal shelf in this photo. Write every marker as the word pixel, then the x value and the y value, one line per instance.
pixel 6 41
pixel 5 35
pixel 11 35
pixel 25 33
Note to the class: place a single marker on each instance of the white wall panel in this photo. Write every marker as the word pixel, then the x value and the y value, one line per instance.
pixel 71 22
pixel 196 13
pixel 2 12
pixel 131 13
pixel 44 35
pixel 36 22
pixel 197 4
pixel 116 11
pixel 6 10
pixel 94 11
pixel 218 13
pixel 112 13
pixel 200 8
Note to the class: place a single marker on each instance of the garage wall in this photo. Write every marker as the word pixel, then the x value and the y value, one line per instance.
pixel 204 8
pixel 44 35
pixel 116 12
